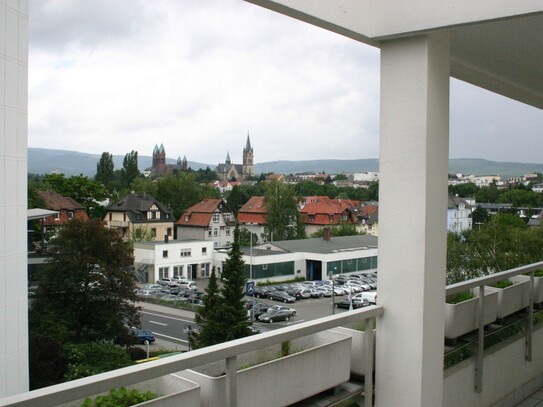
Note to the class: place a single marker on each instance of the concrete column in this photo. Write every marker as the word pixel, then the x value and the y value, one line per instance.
pixel 412 216
pixel 13 191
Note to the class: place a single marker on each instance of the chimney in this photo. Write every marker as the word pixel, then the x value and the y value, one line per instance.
pixel 326 233
pixel 166 238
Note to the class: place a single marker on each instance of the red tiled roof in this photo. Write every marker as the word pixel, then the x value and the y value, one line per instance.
pixel 368 210
pixel 254 205
pixel 327 212
pixel 57 202
pixel 257 218
pixel 201 213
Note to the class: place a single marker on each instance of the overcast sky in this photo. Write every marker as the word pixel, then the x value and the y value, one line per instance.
pixel 197 75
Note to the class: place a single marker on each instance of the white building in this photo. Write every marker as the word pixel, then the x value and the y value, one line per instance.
pixel 459 214
pixel 178 258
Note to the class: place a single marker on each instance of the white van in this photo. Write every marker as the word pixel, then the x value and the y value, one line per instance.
pixel 370 296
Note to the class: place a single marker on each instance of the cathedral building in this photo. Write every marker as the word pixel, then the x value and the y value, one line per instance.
pixel 159 166
pixel 227 171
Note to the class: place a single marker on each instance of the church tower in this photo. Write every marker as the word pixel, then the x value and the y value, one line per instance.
pixel 248 165
pixel 159 161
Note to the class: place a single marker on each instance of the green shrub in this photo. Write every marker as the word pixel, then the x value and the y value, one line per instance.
pixel 538 273
pixel 461 298
pixel 503 284
pixel 86 359
pixel 119 398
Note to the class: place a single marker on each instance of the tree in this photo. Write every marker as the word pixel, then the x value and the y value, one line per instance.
pixel 236 199
pixel 80 188
pixel 130 170
pixel 245 238
pixel 105 170
pixel 282 217
pixel 88 286
pixel 344 229
pixel 233 313
pixel 142 234
pixel 223 316
pixel 341 177
pixel 208 317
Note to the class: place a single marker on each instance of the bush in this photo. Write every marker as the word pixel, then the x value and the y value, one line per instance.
pixel 47 363
pixel 91 358
pixel 503 284
pixel 461 298
pixel 119 398
pixel 136 353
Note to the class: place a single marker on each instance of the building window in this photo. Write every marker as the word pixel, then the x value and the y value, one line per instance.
pixel 209 232
pixel 264 267
pixel 178 271
pixel 187 218
pixel 216 218
pixel 57 216
pixel 215 244
pixel 204 250
pixel 163 272
pixel 205 269
pixel 215 232
pixel 70 215
pixel 110 216
pixel 227 231
pixel 312 218
pixel 124 217
pixel 169 231
pixel 164 254
pixel 331 218
pixel 185 253
pixel 153 232
pixel 167 216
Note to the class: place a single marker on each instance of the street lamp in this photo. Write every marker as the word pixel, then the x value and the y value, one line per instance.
pixel 251 269
pixel 333 291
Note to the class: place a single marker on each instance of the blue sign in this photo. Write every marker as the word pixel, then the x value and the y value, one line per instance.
pixel 249 288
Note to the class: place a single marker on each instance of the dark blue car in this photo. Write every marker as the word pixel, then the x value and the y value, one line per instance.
pixel 143 335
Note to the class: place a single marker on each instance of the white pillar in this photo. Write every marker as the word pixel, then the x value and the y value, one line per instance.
pixel 13 191
pixel 412 216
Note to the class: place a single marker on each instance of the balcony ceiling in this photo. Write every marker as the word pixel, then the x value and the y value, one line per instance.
pixel 495 44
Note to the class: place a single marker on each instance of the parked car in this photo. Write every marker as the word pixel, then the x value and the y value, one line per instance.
pixel 277 313
pixel 358 302
pixel 167 281
pixel 299 293
pixel 142 335
pixel 189 285
pixel 281 296
pixel 148 293
pixel 170 298
pixel 260 309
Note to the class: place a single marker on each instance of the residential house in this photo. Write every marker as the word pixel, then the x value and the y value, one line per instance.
pixel 368 216
pixel 190 259
pixel 458 214
pixel 224 186
pixel 327 212
pixel 144 212
pixel 66 209
pixel 252 216
pixel 210 219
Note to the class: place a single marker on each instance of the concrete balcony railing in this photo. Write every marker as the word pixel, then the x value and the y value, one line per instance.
pixel 78 389
pixel 502 373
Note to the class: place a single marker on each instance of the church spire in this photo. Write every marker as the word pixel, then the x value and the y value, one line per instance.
pixel 248 143
pixel 227 161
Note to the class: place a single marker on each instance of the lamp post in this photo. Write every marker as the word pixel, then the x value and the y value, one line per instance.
pixel 333 291
pixel 251 274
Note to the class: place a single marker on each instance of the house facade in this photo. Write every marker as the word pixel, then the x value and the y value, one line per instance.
pixel 141 212
pixel 66 209
pixel 323 211
pixel 252 216
pixel 210 220
pixel 190 259
pixel 458 214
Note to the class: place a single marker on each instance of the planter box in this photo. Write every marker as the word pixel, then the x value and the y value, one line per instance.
pixel 171 391
pixel 463 317
pixel 512 299
pixel 282 381
pixel 358 361
pixel 538 286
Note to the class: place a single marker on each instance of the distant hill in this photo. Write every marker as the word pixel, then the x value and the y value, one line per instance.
pixel 44 161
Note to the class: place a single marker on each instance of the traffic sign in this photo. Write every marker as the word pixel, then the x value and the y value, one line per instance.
pixel 250 288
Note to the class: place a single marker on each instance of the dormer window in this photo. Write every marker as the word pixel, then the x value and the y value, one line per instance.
pixel 216 218
pixel 187 218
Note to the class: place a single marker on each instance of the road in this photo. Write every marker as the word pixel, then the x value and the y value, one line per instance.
pixel 168 323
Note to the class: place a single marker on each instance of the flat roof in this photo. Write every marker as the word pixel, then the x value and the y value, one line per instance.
pixel 337 244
